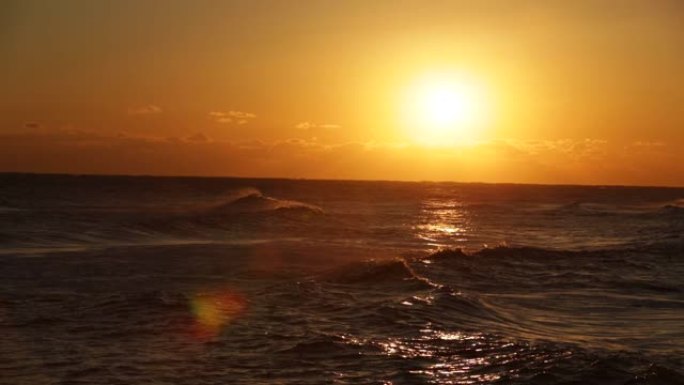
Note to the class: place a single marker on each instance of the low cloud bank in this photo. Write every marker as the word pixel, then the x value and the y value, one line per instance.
pixel 587 161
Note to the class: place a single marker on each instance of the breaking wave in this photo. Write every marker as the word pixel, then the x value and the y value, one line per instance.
pixel 253 201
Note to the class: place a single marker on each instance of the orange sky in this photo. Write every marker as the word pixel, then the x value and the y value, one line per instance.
pixel 575 92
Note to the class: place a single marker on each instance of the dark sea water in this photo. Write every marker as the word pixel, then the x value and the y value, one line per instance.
pixel 141 280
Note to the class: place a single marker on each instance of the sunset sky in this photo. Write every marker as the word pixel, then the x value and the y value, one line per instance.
pixel 587 92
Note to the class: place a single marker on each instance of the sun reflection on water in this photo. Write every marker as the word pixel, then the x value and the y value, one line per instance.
pixel 450 365
pixel 443 223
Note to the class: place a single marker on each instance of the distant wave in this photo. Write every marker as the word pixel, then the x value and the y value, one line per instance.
pixel 244 213
pixel 675 208
pixel 252 200
pixel 240 215
pixel 585 208
pixel 582 208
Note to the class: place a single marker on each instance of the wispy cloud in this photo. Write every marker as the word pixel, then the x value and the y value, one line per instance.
pixel 647 144
pixel 148 109
pixel 305 126
pixel 198 138
pixel 504 160
pixel 237 117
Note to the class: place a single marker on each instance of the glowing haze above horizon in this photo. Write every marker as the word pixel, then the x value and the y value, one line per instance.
pixel 576 92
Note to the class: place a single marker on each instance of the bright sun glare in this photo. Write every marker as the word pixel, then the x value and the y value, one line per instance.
pixel 444 110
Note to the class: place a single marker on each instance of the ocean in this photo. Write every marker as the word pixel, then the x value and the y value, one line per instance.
pixel 161 280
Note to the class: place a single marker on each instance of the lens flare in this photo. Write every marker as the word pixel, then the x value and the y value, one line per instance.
pixel 215 310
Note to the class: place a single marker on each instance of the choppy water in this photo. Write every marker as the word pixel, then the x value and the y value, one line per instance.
pixel 119 280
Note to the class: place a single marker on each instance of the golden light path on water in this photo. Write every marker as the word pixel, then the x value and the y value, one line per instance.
pixel 438 345
pixel 443 223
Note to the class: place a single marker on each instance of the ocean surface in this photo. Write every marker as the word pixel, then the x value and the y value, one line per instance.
pixel 146 280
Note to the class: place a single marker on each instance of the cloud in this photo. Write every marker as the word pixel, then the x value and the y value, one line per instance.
pixel 540 161
pixel 237 117
pixel 149 109
pixel 305 126
pixel 646 144
pixel 197 138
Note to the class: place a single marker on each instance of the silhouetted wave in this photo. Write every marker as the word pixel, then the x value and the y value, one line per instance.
pixel 254 201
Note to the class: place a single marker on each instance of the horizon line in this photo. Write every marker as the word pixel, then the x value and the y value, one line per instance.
pixel 42 173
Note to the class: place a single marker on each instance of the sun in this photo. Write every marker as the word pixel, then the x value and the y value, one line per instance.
pixel 444 110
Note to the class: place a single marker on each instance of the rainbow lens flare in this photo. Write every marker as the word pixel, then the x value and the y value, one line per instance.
pixel 215 310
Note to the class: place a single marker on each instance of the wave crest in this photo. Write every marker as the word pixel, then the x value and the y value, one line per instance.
pixel 252 200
